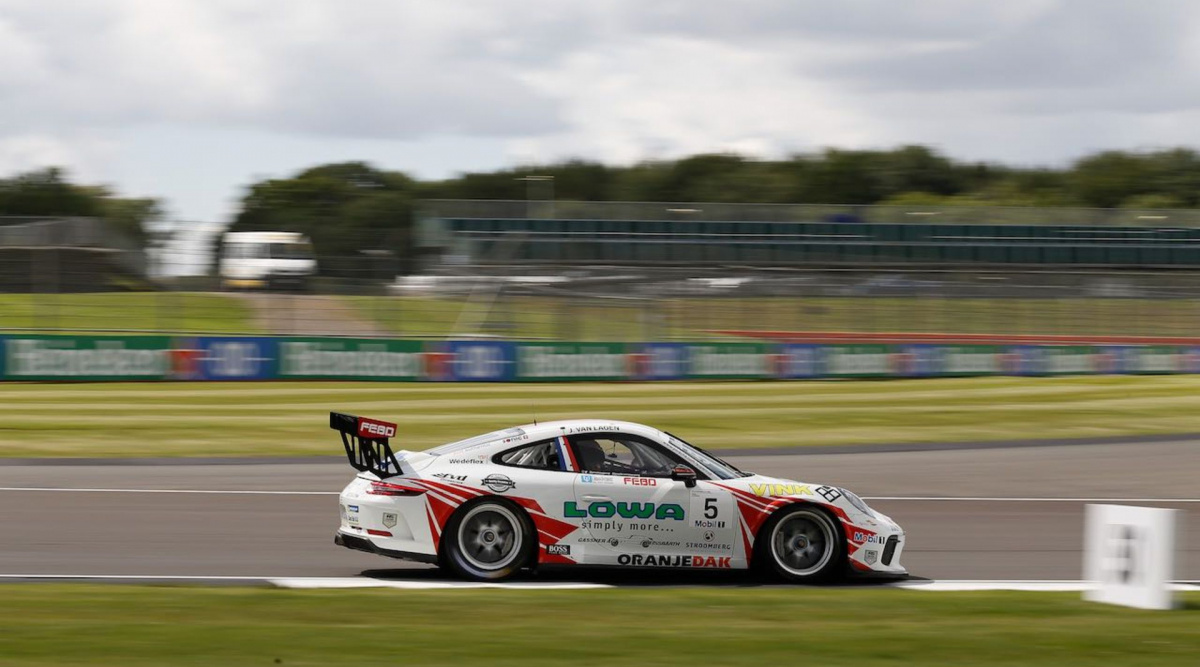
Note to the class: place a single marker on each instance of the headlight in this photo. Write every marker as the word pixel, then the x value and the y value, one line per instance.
pixel 858 503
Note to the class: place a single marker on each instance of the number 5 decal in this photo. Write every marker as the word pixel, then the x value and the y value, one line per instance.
pixel 710 508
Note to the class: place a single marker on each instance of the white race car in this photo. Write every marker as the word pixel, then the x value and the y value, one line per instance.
pixel 594 492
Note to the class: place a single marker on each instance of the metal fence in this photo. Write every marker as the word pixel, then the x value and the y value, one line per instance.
pixel 644 305
pixel 81 280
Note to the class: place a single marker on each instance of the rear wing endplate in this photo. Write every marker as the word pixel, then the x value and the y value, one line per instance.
pixel 366 443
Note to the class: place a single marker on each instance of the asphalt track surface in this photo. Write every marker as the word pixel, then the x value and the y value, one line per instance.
pixel 994 514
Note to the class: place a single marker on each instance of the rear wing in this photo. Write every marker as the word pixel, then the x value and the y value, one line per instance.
pixel 366 443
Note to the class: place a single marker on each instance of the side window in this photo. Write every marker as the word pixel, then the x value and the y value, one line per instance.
pixel 617 454
pixel 540 455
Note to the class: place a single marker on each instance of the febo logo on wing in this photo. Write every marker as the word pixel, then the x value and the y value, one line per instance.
pixel 375 429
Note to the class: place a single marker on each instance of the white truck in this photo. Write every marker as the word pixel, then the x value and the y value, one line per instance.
pixel 266 260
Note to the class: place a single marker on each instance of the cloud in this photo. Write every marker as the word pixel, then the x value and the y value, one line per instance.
pixel 380 69
pixel 27 152
pixel 667 96
pixel 1034 81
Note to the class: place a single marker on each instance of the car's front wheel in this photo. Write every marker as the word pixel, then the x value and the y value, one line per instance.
pixel 804 545
pixel 488 540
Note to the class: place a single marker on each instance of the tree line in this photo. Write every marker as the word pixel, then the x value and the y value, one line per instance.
pixel 48 192
pixel 350 206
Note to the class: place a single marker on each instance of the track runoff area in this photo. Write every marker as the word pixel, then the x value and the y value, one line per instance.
pixel 976 518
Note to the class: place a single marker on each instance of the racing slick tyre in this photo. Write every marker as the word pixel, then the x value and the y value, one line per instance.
pixel 489 539
pixel 804 545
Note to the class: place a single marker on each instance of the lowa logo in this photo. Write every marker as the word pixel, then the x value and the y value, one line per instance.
pixel 606 509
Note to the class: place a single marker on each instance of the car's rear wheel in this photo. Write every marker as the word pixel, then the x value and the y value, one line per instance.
pixel 804 545
pixel 488 540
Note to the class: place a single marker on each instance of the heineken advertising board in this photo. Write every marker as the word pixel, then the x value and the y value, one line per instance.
pixel 572 361
pixel 1074 360
pixel 971 360
pixel 44 357
pixel 87 357
pixel 859 361
pixel 350 359
pixel 1165 359
pixel 730 360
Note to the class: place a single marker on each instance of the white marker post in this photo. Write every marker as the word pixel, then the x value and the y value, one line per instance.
pixel 1129 555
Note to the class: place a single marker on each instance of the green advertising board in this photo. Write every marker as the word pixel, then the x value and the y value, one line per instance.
pixel 970 360
pixel 87 357
pixel 572 361
pixel 858 361
pixel 1158 359
pixel 350 359
pixel 1070 359
pixel 730 360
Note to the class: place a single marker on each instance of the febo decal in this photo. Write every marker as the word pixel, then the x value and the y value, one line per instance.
pixel 375 429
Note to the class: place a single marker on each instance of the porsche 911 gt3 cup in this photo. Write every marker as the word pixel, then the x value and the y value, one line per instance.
pixel 594 492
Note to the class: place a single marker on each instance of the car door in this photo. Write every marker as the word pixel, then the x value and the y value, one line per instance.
pixel 535 476
pixel 625 499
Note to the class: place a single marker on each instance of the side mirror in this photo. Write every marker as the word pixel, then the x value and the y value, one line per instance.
pixel 685 475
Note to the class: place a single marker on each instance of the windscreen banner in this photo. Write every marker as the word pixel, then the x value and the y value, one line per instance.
pixel 350 359
pixel 87 358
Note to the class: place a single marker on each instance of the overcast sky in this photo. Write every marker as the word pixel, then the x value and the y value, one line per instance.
pixel 192 100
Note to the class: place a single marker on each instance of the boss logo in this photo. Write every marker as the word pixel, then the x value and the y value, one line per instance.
pixel 558 549
pixel 375 429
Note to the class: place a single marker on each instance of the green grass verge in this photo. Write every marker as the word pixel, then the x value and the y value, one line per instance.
pixel 140 311
pixel 291 418
pixel 128 626
pixel 574 318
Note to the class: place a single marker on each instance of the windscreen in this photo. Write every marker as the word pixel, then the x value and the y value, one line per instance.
pixel 291 251
pixel 712 465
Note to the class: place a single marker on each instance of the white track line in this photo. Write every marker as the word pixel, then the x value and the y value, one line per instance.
pixel 133 577
pixel 251 492
pixel 309 582
pixel 948 585
pixel 363 582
